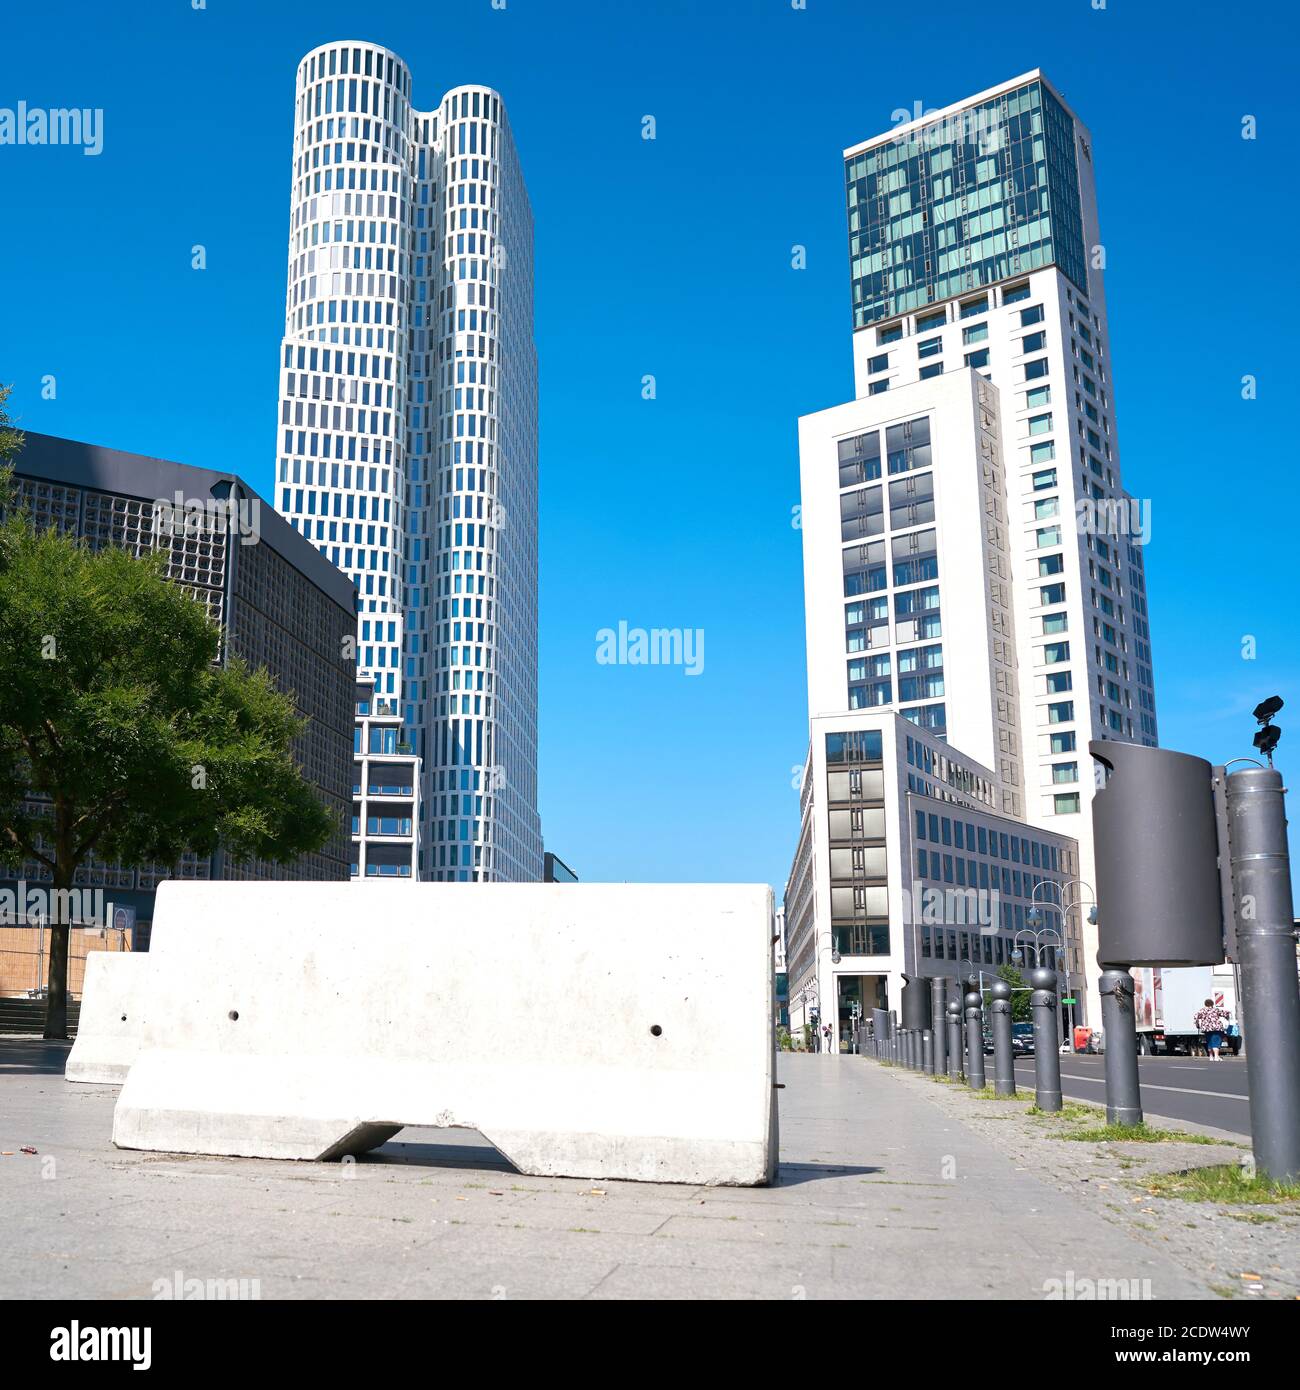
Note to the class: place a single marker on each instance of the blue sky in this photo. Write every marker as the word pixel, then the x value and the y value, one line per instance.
pixel 673 258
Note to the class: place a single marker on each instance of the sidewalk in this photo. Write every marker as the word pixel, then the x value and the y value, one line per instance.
pixel 883 1194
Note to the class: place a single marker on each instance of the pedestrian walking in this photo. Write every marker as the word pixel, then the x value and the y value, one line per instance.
pixel 828 1038
pixel 1234 1035
pixel 1211 1021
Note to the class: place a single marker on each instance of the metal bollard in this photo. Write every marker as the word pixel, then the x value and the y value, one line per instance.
pixel 1004 1071
pixel 927 1051
pixel 1119 1028
pixel 938 1001
pixel 954 1039
pixel 1047 1061
pixel 1270 1002
pixel 975 1040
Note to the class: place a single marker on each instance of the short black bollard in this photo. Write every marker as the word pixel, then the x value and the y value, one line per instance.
pixel 1119 1035
pixel 975 1040
pixel 1004 1070
pixel 954 1039
pixel 938 1002
pixel 927 1051
pixel 1047 1060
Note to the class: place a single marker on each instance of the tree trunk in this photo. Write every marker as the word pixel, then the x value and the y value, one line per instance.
pixel 56 998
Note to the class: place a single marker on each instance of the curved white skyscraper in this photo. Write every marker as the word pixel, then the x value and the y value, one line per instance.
pixel 408 430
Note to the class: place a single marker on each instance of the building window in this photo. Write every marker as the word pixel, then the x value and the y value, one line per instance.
pixel 977 359
pixel 976 333
pixel 1034 314
pixel 878 364
pixel 889 333
pixel 1035 369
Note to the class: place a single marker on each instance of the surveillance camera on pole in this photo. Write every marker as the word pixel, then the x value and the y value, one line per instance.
pixel 1268 735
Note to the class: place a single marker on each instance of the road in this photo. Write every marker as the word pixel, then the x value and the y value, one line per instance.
pixel 1197 1089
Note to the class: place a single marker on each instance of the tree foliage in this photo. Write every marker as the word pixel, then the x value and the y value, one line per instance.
pixel 120 734
pixel 1020 1010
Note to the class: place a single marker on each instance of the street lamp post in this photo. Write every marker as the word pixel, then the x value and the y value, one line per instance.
pixel 973 981
pixel 1065 901
pixel 834 954
pixel 1071 900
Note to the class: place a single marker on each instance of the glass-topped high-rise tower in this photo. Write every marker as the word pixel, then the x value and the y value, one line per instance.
pixel 984 192
pixel 407 447
pixel 973 566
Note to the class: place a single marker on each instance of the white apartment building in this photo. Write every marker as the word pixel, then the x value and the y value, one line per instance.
pixel 385 790
pixel 905 865
pixel 407 446
pixel 991 564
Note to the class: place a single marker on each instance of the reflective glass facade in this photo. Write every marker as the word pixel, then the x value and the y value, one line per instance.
pixel 986 193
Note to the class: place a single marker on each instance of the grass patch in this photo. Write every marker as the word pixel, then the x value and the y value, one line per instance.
pixel 1222 1182
pixel 1134 1134
pixel 1070 1110
pixel 988 1093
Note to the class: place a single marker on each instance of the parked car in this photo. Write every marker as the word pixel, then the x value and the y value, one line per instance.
pixel 1022 1039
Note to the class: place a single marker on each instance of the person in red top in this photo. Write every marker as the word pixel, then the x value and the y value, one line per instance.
pixel 1211 1021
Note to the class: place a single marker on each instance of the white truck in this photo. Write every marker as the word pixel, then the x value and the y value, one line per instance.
pixel 1167 1001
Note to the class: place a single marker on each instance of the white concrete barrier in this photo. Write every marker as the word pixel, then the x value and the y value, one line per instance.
pixel 113 997
pixel 587 1030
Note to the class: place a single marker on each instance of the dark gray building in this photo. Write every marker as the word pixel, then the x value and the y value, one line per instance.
pixel 279 602
pixel 556 870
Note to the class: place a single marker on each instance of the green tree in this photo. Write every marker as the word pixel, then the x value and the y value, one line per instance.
pixel 116 717
pixel 1020 1010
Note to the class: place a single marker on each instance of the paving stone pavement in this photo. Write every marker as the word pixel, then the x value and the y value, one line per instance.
pixel 881 1195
